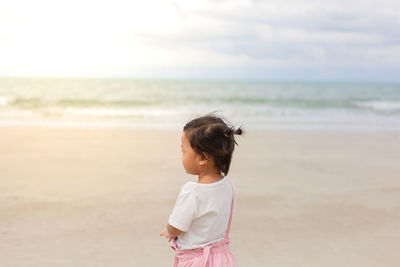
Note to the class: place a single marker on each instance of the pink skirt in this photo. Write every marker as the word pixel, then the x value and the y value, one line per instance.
pixel 216 254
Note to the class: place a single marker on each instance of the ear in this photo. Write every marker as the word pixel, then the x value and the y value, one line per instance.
pixel 203 159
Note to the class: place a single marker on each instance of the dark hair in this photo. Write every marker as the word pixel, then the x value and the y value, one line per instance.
pixel 214 139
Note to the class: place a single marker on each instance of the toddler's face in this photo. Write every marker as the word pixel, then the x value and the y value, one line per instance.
pixel 190 159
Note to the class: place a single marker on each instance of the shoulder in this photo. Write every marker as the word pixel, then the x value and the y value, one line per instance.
pixel 231 184
pixel 188 188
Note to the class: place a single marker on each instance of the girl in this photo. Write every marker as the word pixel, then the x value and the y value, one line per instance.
pixel 200 222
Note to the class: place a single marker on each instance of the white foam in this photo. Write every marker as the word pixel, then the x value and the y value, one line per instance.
pixel 107 112
pixel 380 105
pixel 4 101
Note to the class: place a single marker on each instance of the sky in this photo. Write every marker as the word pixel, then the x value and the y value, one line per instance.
pixel 262 40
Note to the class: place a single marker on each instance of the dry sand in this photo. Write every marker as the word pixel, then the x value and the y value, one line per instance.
pixel 101 197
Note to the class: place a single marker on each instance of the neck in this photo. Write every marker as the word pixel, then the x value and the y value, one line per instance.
pixel 208 178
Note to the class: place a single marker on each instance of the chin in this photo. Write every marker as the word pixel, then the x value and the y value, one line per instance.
pixel 191 172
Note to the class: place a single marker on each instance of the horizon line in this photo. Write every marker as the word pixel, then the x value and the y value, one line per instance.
pixel 291 80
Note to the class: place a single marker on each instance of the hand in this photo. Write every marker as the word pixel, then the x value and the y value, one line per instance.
pixel 167 235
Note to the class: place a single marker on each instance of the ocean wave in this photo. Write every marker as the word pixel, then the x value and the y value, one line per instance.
pixel 244 102
pixel 27 102
pixel 162 102
pixel 388 106
pixel 98 102
pixel 37 102
pixel 107 112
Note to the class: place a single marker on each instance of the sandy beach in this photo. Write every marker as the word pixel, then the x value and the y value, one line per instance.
pixel 101 197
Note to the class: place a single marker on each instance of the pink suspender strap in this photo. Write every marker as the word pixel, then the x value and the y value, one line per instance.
pixel 230 216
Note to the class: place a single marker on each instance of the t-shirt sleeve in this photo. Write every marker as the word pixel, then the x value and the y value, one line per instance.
pixel 183 212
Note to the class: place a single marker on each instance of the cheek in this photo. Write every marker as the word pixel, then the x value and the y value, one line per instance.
pixel 184 160
pixel 188 163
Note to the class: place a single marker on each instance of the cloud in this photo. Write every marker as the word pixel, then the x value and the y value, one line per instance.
pixel 335 34
pixel 203 39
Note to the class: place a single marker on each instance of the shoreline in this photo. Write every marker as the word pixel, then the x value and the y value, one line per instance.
pixel 272 127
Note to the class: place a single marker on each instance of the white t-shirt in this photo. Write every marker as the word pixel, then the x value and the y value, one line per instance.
pixel 202 213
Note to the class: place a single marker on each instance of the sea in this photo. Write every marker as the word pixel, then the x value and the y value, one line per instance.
pixel 169 104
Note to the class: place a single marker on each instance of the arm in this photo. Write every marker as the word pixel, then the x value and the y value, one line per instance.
pixel 181 216
pixel 171 232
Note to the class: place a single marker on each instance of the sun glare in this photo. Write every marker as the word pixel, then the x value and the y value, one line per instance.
pixel 49 38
